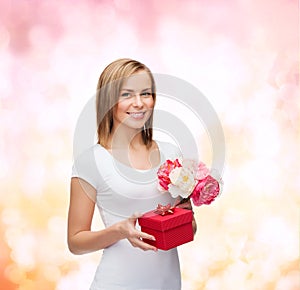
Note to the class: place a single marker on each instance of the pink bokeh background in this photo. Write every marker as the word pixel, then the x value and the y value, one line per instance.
pixel 243 55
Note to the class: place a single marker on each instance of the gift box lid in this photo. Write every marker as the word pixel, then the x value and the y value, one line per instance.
pixel 166 222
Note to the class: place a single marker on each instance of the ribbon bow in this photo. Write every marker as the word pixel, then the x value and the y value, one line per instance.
pixel 164 209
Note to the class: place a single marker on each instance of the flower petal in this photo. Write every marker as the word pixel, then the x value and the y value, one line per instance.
pixel 174 191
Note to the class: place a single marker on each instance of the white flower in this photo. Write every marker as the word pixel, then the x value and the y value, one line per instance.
pixel 183 179
pixel 175 191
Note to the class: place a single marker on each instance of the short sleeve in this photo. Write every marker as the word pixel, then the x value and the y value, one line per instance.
pixel 85 167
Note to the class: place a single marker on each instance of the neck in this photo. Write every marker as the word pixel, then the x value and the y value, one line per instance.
pixel 123 137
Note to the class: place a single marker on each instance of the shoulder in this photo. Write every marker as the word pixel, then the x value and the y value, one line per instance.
pixel 86 167
pixel 89 154
pixel 85 155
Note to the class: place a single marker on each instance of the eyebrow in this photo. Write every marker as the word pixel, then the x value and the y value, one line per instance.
pixel 128 90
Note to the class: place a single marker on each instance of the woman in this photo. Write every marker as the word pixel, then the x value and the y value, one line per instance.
pixel 119 175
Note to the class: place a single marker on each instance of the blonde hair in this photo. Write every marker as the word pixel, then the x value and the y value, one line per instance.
pixel 108 90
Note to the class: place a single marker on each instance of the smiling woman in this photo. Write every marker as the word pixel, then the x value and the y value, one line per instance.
pixel 136 102
pixel 125 101
pixel 120 80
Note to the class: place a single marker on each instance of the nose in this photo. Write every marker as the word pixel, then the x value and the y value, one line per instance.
pixel 138 102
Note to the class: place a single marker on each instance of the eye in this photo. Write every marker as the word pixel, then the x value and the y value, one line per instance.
pixel 125 95
pixel 146 94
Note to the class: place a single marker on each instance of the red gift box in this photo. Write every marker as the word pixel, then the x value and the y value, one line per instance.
pixel 170 230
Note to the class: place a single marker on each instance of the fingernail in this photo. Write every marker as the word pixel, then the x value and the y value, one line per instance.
pixel 153 239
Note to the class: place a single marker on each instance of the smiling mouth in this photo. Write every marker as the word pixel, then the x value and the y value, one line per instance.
pixel 137 115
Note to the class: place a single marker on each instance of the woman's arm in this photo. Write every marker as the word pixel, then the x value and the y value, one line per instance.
pixel 81 210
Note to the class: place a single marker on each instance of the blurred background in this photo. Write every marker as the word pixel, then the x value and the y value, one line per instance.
pixel 243 55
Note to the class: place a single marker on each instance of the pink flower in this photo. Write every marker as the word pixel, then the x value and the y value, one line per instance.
pixel 202 171
pixel 205 191
pixel 164 172
pixel 189 180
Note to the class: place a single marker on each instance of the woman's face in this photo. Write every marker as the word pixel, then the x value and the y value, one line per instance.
pixel 135 103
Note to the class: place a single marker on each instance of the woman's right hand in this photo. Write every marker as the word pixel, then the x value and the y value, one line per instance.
pixel 81 239
pixel 135 237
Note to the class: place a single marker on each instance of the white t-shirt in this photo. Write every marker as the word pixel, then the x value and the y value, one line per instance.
pixel 121 192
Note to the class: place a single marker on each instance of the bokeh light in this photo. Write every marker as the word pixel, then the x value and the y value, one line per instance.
pixel 243 55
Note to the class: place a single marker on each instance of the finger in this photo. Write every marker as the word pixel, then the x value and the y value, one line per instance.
pixel 186 205
pixel 142 235
pixel 146 236
pixel 144 246
pixel 136 215
pixel 147 247
pixel 136 234
pixel 133 218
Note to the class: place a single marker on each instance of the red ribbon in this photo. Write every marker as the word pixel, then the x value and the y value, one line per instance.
pixel 164 209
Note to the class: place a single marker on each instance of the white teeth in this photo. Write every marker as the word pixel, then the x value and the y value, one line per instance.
pixel 137 115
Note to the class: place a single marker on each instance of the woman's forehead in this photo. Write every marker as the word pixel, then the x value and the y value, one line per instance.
pixel 138 81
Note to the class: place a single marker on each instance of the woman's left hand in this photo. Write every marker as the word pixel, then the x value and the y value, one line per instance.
pixel 183 203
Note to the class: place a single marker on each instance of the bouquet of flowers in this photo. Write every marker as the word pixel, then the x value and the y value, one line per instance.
pixel 189 179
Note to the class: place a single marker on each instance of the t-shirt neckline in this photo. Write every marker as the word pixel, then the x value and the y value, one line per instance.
pixel 132 168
